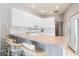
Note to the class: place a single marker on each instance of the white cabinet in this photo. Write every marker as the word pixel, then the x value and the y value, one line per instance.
pixel 48 22
pixel 27 20
pixel 20 18
pixel 24 19
pixel 37 22
pixel 53 50
pixel 16 18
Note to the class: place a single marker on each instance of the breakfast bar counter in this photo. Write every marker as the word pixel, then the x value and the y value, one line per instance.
pixel 57 40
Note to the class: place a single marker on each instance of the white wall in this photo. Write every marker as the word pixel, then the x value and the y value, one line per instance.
pixel 74 8
pixel 0 28
pixel 5 22
pixel 59 18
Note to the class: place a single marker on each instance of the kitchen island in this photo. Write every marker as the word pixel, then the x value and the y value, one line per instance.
pixel 57 40
pixel 53 45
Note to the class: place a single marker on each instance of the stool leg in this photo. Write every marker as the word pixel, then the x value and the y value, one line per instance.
pixel 8 51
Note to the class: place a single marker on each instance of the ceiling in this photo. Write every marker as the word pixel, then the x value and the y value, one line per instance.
pixel 44 9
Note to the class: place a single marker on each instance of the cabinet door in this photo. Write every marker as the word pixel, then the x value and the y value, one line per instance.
pixel 53 50
pixel 59 51
pixel 33 20
pixel 27 20
pixel 21 18
pixel 48 22
pixel 38 22
pixel 16 17
pixel 24 19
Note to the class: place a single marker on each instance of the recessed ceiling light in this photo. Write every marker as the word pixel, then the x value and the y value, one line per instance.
pixel 57 7
pixel 33 6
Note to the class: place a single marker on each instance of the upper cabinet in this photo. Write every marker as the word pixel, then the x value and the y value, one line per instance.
pixel 24 19
pixel 48 22
pixel 16 17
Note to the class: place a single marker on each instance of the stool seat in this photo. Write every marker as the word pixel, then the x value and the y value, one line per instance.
pixel 13 47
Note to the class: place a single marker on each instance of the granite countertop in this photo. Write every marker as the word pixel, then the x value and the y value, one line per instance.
pixel 57 40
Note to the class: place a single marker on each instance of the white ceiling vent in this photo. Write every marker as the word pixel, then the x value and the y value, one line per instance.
pixel 56 11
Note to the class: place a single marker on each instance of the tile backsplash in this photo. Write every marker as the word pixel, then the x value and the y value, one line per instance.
pixel 48 30
pixel 18 29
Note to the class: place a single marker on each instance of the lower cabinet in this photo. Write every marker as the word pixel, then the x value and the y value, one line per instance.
pixel 54 50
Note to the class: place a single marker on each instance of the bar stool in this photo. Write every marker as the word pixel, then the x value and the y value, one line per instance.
pixel 14 49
